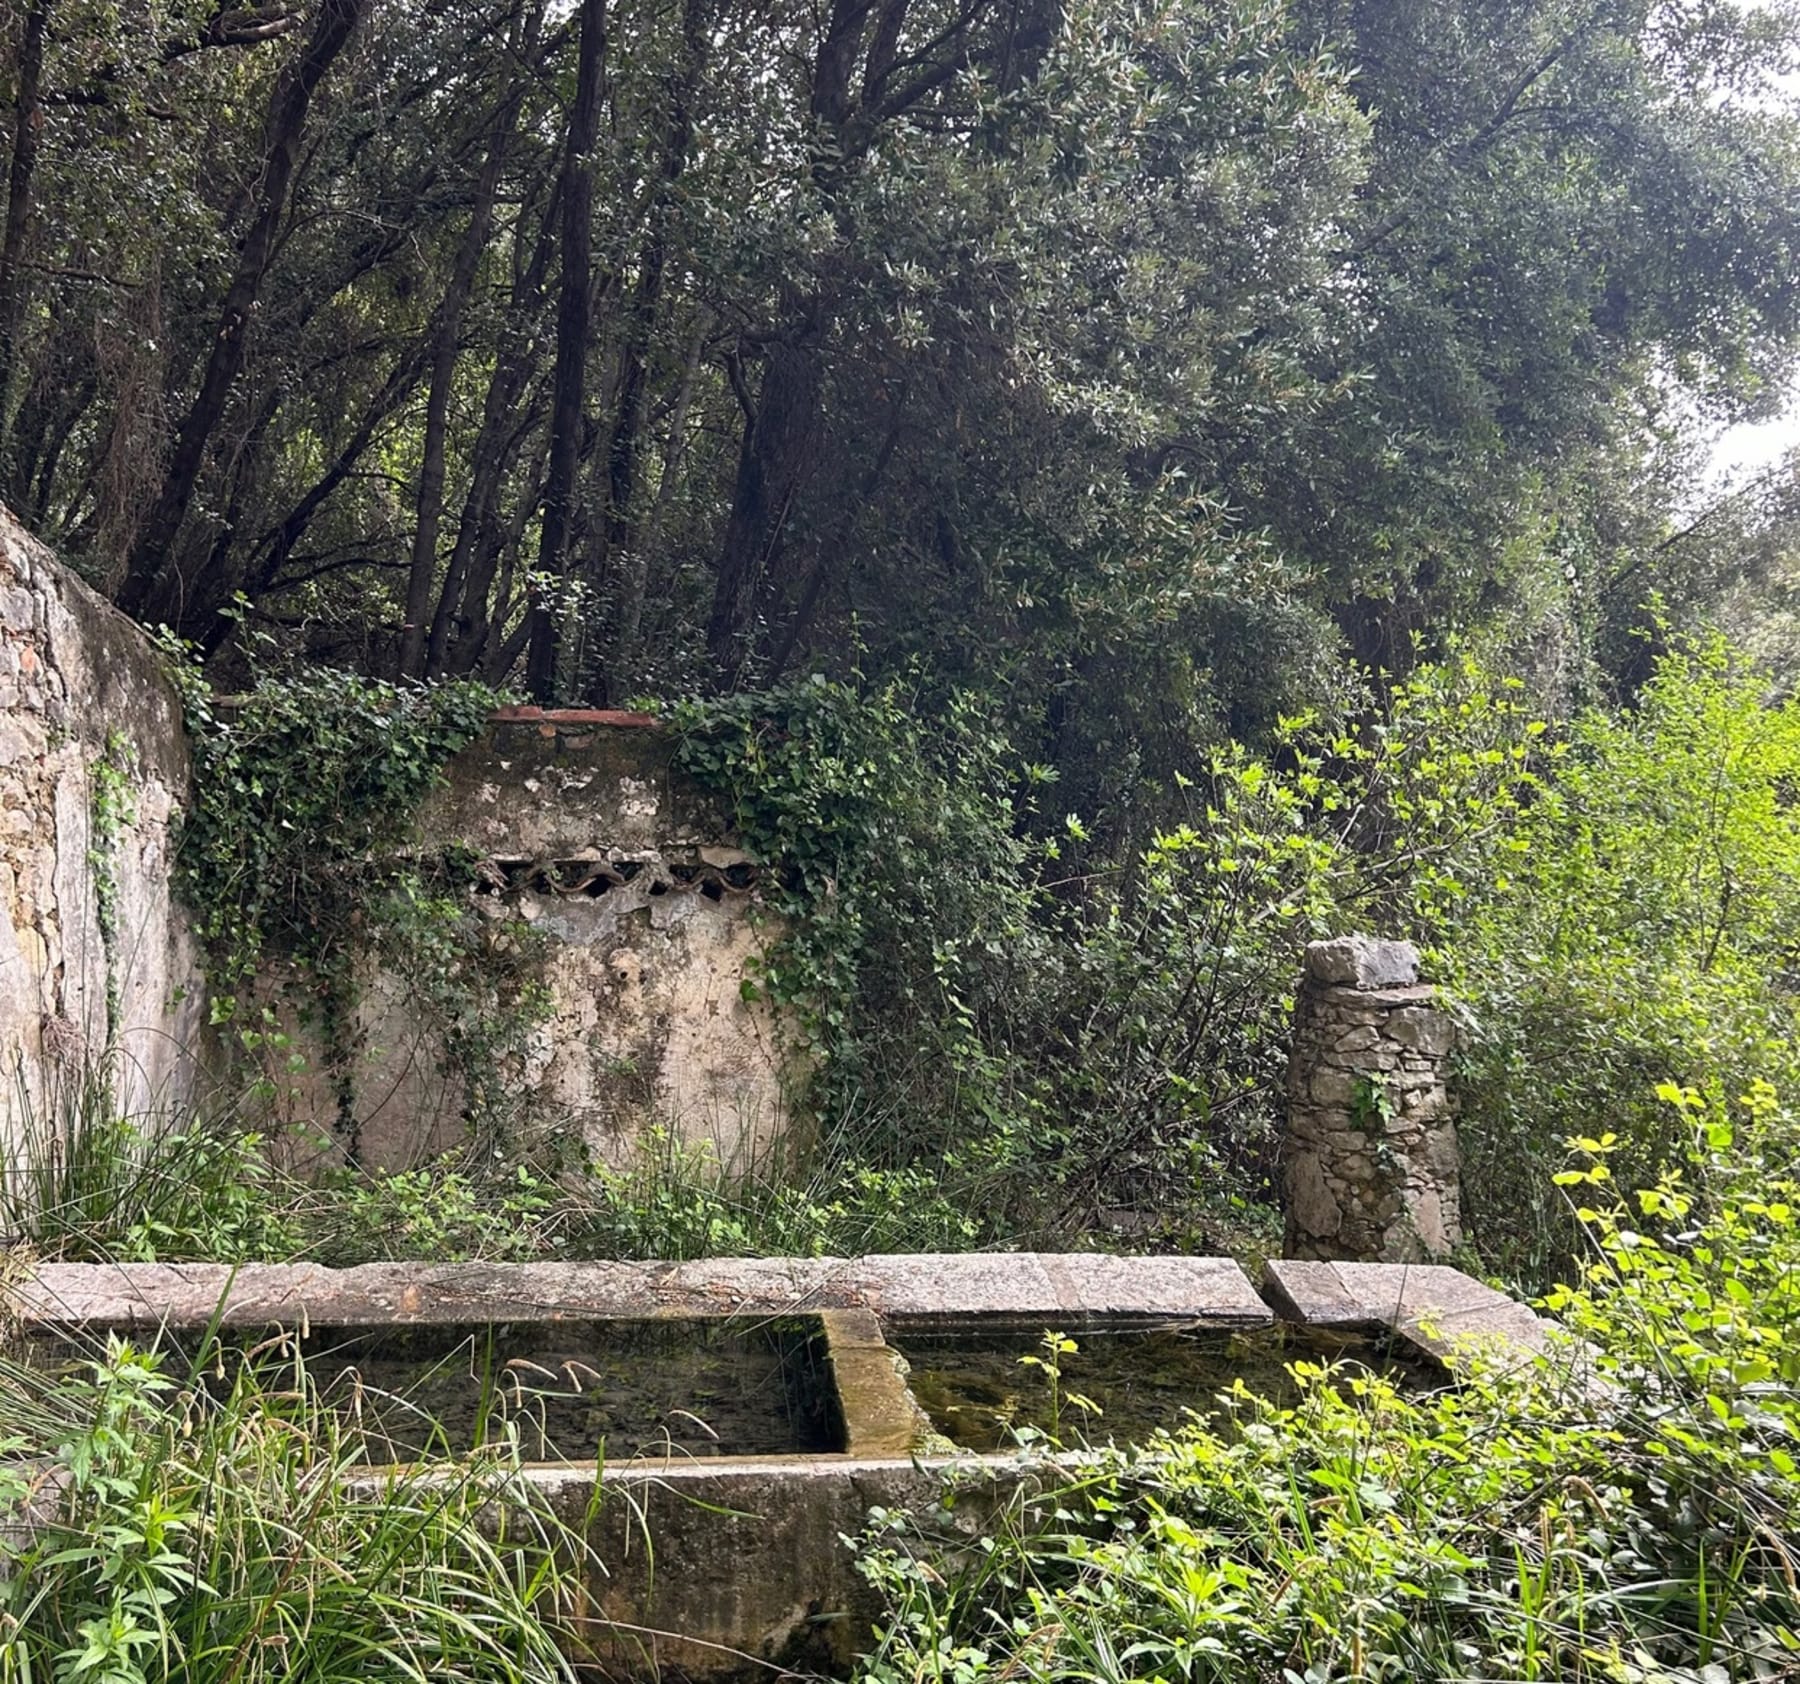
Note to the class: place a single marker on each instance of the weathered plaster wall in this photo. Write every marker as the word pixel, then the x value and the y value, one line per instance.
pixel 93 951
pixel 1370 1162
pixel 644 924
pixel 643 915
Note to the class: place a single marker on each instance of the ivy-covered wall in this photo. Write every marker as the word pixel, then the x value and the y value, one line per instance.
pixel 620 928
pixel 96 957
pixel 561 936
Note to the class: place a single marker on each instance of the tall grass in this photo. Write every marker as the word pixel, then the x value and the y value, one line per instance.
pixel 155 1528
pixel 82 1179
pixel 678 1199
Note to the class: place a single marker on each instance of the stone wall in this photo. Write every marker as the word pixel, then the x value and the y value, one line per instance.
pixel 1370 1163
pixel 95 957
pixel 645 917
pixel 644 925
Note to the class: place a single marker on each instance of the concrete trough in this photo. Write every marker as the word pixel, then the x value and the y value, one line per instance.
pixel 721 1567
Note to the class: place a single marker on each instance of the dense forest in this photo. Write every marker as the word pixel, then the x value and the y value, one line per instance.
pixel 1135 362
pixel 1103 494
pixel 1109 491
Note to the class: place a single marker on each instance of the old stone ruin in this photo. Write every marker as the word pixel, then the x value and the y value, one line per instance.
pixel 1370 1160
pixel 646 926
pixel 641 908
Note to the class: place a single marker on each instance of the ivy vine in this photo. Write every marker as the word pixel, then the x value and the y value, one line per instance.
pixel 903 889
pixel 299 846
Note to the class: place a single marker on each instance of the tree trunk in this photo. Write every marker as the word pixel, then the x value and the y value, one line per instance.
pixel 470 575
pixel 777 451
pixel 573 309
pixel 779 443
pixel 29 119
pixel 634 577
pixel 446 344
pixel 146 584
pixel 626 446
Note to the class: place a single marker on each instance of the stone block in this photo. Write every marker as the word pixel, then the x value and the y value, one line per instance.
pixel 1332 1087
pixel 1440 1309
pixel 1038 1289
pixel 1432 1033
pixel 1363 962
pixel 1313 1208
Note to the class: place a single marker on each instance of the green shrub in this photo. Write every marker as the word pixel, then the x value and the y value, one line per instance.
pixel 679 1201
pixel 444 1211
pixel 913 911
pixel 1060 1037
pixel 1628 1517
pixel 1639 929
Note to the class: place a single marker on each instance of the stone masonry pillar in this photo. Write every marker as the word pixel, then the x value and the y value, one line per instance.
pixel 1369 1162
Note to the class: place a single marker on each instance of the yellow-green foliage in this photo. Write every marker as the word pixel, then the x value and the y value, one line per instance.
pixel 1629 1516
pixel 1638 929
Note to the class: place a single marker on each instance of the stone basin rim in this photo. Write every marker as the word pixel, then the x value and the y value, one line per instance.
pixel 1071 1291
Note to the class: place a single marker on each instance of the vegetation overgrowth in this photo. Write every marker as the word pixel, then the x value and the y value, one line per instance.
pixel 162 1525
pixel 1626 1512
pixel 297 854
pixel 1103 494
pixel 1626 1515
pixel 1009 1034
pixel 1608 899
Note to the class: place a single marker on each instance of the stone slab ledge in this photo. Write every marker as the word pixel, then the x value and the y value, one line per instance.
pixel 1064 1291
pixel 1439 1309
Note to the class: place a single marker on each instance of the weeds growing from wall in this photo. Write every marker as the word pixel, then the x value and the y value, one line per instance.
pixel 112 809
pixel 85 1181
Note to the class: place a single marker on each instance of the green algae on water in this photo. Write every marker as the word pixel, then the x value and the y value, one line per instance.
pixel 982 1395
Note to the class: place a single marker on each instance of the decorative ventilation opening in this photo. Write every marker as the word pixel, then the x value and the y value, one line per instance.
pixel 589 879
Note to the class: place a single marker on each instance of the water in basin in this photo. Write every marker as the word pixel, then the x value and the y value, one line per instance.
pixel 568 1390
pixel 980 1394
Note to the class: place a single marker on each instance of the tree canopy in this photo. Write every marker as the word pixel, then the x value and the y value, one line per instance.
pixel 1133 360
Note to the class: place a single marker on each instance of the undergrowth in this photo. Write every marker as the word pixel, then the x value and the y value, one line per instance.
pixel 86 1179
pixel 159 1528
pixel 1626 1515
pixel 89 1183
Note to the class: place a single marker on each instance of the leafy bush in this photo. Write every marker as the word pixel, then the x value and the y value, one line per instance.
pixel 298 784
pixel 1057 1036
pixel 679 1201
pixel 1629 1520
pixel 674 1200
pixel 1638 929
pixel 444 1210
pixel 909 892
